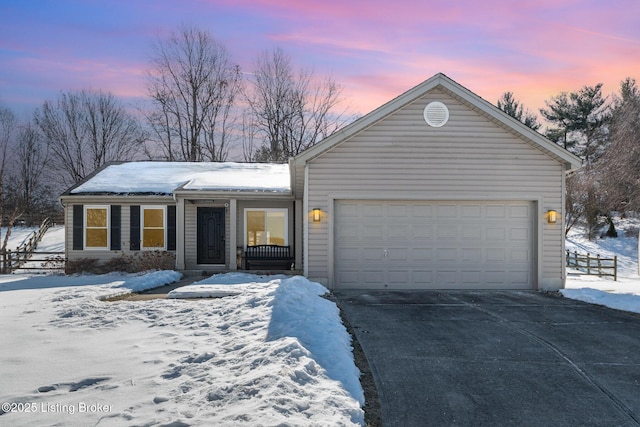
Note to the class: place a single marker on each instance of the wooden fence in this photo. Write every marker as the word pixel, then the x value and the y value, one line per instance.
pixel 31 261
pixel 591 265
pixel 25 256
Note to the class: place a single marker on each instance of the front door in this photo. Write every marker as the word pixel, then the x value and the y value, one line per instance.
pixel 211 246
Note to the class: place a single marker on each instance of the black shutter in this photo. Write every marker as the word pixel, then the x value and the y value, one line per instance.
pixel 78 227
pixel 134 235
pixel 171 228
pixel 116 235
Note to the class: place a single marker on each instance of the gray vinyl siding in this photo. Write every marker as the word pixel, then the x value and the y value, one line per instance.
pixel 104 255
pixel 470 158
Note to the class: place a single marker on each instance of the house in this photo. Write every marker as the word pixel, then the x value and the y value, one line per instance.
pixel 436 189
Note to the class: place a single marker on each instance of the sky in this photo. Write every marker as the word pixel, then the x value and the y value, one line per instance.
pixel 374 49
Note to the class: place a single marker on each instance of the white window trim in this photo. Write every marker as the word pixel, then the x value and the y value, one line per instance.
pixel 164 226
pixel 286 221
pixel 84 228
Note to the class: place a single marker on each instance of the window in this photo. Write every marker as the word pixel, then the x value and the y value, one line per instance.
pixel 153 227
pixel 96 230
pixel 266 227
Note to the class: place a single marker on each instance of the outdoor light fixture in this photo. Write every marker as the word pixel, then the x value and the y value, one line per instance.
pixel 552 216
pixel 316 215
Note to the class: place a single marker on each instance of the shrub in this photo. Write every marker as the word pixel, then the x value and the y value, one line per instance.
pixel 83 265
pixel 129 263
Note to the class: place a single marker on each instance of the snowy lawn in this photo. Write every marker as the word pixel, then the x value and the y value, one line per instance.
pixel 623 294
pixel 267 351
pixel 18 235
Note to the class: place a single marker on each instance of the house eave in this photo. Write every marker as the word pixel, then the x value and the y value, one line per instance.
pixel 242 195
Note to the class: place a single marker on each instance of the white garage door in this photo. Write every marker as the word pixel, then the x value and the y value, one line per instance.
pixel 433 245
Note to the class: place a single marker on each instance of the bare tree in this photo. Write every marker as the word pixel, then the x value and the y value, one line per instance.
pixel 31 158
pixel 620 165
pixel 84 130
pixel 290 111
pixel 193 87
pixel 8 212
pixel 219 122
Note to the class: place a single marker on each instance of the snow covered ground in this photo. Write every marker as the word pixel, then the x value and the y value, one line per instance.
pixel 18 235
pixel 623 294
pixel 271 352
pixel 252 350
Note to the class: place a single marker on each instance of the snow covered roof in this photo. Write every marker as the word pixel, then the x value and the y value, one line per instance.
pixel 165 177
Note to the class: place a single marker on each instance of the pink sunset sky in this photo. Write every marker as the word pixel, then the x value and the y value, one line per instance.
pixel 374 49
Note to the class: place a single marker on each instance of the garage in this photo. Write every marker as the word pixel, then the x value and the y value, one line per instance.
pixel 436 189
pixel 385 244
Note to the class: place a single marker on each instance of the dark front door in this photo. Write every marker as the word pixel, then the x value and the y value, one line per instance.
pixel 211 236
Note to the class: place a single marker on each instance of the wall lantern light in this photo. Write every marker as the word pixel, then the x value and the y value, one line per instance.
pixel 315 213
pixel 552 216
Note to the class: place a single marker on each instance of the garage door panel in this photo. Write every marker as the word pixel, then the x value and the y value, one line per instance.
pixel 422 211
pixel 421 254
pixel 520 256
pixel 422 231
pixel 433 245
pixel 372 232
pixel 496 212
pixel 471 232
pixel 496 233
pixel 519 211
pixel 448 232
pixel 348 255
pixel 519 234
pixel 471 254
pixel 471 211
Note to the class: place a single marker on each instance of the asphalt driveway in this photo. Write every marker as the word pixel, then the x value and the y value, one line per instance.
pixel 497 358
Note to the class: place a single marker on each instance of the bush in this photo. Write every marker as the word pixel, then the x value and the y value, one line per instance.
pixel 83 265
pixel 129 263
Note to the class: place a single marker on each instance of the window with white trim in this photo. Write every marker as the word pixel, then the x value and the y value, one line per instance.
pixel 153 227
pixel 96 227
pixel 266 227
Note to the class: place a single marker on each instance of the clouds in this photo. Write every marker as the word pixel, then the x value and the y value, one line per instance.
pixel 374 49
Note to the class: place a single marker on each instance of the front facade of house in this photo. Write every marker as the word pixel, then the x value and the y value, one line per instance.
pixel 205 214
pixel 436 189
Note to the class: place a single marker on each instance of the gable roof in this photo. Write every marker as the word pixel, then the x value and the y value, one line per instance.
pixel 164 178
pixel 456 90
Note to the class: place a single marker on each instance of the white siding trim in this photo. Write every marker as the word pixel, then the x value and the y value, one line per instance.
pixel 180 255
pixel 233 229
pixel 305 225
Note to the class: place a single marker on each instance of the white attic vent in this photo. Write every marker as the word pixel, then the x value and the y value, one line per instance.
pixel 436 114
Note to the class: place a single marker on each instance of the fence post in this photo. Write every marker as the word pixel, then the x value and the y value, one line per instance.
pixel 588 263
pixel 615 268
pixel 599 265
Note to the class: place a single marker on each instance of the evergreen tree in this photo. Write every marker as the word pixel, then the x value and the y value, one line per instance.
pixel 509 105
